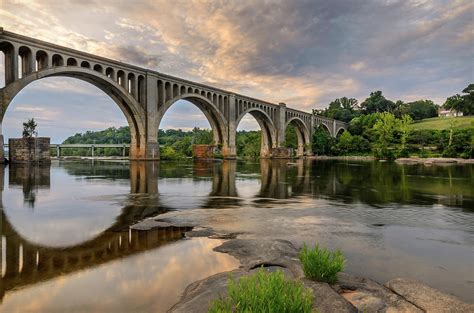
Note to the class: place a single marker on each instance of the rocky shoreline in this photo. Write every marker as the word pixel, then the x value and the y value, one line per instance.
pixel 349 294
pixel 410 160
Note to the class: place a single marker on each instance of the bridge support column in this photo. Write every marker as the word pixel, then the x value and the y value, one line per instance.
pixel 229 150
pixel 152 150
pixel 3 106
pixel 280 122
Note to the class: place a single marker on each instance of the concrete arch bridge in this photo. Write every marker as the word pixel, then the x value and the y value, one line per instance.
pixel 144 96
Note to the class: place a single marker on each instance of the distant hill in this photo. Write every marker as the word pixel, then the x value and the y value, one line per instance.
pixel 440 123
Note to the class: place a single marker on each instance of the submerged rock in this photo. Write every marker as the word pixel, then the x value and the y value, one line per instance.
pixel 427 298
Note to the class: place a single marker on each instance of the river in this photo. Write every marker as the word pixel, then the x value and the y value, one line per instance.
pixel 67 244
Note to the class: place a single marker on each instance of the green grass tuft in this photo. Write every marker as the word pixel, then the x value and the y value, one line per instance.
pixel 321 264
pixel 264 292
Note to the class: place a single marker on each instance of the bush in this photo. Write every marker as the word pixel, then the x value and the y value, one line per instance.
pixel 321 264
pixel 264 292
pixel 168 153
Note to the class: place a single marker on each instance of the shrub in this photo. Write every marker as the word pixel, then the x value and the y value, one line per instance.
pixel 264 292
pixel 321 264
pixel 168 153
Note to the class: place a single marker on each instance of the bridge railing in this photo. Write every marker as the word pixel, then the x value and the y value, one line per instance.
pixel 57 147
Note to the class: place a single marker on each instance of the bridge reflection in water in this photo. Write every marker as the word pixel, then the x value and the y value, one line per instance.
pixel 26 262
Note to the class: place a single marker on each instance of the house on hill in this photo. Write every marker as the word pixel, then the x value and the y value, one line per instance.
pixel 442 112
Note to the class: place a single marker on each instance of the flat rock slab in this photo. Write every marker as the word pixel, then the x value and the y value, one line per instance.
pixel 150 223
pixel 254 253
pixel 427 298
pixel 328 300
pixel 198 296
pixel 369 296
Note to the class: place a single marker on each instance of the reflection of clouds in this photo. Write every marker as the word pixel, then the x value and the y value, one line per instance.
pixel 152 281
pixel 66 214
pixel 184 193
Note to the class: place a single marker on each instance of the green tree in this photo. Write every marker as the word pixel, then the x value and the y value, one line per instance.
pixel 322 141
pixel 376 102
pixel 421 109
pixel 291 138
pixel 405 129
pixel 343 109
pixel 203 136
pixel 385 129
pixel 455 103
pixel 29 128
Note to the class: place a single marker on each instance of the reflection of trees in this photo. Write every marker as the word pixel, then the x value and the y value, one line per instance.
pixel 383 182
pixel 92 169
pixel 30 177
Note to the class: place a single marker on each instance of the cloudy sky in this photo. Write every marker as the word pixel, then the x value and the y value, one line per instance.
pixel 303 53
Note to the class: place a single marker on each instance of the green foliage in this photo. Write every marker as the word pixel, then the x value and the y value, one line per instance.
pixel 462 103
pixel 168 153
pixel 348 144
pixel 376 102
pixel 405 130
pixel 29 128
pixel 418 110
pixel 343 109
pixel 264 292
pixel 322 141
pixel 291 138
pixel 202 136
pixel 385 129
pixel 321 264
pixel 248 143
pixel 457 142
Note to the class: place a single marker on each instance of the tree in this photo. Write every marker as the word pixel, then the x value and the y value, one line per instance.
pixel 468 100
pixel 455 103
pixel 376 102
pixel 343 109
pixel 291 138
pixel 405 129
pixel 322 141
pixel 385 129
pixel 29 128
pixel 421 109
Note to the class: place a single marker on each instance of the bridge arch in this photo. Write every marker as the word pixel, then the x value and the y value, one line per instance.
pixel 267 127
pixel 340 131
pixel 303 134
pixel 215 118
pixel 132 111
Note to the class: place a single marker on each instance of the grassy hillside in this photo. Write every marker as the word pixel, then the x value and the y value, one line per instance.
pixel 440 123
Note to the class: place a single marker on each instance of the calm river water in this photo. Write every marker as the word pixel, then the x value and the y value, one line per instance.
pixel 67 245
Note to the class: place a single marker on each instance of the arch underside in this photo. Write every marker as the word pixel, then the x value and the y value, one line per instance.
pixel 213 115
pixel 268 139
pixel 302 134
pixel 131 110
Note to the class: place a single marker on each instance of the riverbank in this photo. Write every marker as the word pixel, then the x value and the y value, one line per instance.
pixel 349 294
pixel 410 160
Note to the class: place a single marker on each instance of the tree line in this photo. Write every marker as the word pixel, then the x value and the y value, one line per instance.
pixel 345 109
pixel 383 128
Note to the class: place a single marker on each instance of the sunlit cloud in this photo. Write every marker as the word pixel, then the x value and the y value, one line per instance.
pixel 303 53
